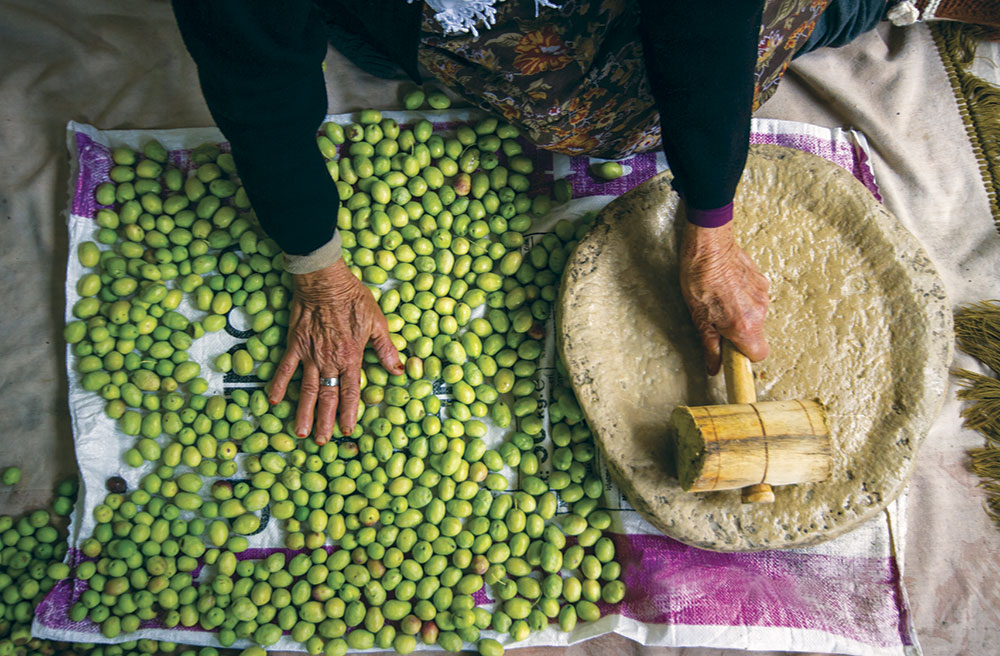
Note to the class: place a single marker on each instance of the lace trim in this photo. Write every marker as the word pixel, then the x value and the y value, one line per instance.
pixel 457 16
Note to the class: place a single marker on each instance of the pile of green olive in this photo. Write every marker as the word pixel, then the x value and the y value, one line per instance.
pixel 31 563
pixel 32 548
pixel 452 487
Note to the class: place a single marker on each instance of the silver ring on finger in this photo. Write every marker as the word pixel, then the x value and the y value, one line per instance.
pixel 332 381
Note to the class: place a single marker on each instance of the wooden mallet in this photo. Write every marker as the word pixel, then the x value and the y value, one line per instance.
pixel 750 445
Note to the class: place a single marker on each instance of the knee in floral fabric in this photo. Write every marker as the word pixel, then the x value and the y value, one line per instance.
pixel 573 79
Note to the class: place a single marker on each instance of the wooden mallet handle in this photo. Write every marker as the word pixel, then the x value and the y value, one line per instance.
pixel 740 389
pixel 736 368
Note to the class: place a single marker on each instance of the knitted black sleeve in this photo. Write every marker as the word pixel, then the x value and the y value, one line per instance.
pixel 259 64
pixel 700 58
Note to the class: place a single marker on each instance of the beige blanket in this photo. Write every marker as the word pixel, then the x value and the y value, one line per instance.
pixel 122 65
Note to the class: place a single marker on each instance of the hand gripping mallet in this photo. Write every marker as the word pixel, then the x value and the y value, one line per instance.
pixel 750 445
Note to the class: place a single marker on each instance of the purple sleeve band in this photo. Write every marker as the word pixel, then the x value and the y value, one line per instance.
pixel 710 218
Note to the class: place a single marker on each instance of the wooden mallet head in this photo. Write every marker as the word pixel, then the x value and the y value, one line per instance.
pixel 750 445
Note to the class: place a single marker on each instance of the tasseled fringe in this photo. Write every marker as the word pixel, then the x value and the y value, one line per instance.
pixel 983 411
pixel 978 101
pixel 986 464
pixel 977 332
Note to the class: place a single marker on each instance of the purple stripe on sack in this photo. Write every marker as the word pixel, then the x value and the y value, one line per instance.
pixel 850 156
pixel 183 160
pixel 260 553
pixel 671 583
pixel 481 597
pixel 843 153
pixel 643 167
pixel 53 610
pixel 95 162
pixel 863 171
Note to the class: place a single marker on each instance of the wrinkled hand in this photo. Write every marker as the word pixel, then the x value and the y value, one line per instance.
pixel 333 315
pixel 725 292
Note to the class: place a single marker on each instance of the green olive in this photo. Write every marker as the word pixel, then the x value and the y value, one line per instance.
pixel 607 170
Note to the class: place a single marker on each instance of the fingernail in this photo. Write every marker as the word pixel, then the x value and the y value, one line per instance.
pixel 301 433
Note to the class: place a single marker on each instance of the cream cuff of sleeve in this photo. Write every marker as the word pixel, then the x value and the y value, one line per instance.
pixel 318 259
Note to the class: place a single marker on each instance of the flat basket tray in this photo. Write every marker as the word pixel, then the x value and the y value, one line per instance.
pixel 858 318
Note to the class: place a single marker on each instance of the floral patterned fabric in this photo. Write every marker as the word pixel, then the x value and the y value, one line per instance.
pixel 573 77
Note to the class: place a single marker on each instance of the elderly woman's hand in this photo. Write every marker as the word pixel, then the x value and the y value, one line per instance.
pixel 333 315
pixel 725 292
